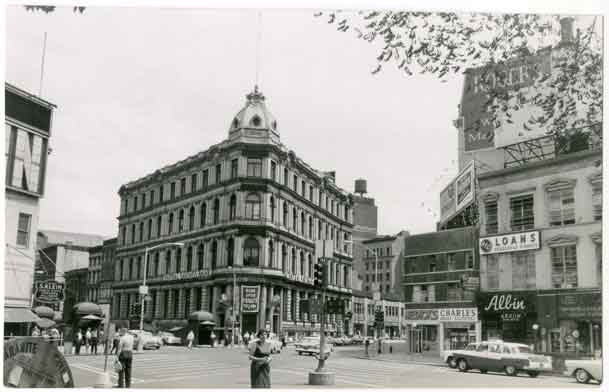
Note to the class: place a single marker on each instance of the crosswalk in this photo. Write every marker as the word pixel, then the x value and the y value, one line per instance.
pixel 230 368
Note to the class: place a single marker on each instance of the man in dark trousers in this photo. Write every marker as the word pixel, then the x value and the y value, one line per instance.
pixel 125 357
pixel 94 341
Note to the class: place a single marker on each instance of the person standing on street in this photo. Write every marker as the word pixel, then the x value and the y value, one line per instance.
pixel 35 332
pixel 94 341
pixel 88 341
pixel 260 357
pixel 246 338
pixel 190 337
pixel 213 338
pixel 115 341
pixel 78 341
pixel 125 357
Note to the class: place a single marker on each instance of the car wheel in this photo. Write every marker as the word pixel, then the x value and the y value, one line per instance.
pixel 452 363
pixel 582 376
pixel 483 371
pixel 462 365
pixel 533 374
pixel 510 370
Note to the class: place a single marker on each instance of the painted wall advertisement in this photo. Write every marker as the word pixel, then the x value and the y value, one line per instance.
pixel 250 298
pixel 513 242
pixel 458 194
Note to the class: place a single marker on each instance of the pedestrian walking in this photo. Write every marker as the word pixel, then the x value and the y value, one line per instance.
pixel 246 338
pixel 88 340
pixel 102 339
pixel 35 332
pixel 78 341
pixel 213 339
pixel 190 337
pixel 94 341
pixel 260 357
pixel 54 336
pixel 115 341
pixel 125 357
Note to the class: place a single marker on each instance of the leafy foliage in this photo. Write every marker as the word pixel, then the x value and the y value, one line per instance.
pixel 448 44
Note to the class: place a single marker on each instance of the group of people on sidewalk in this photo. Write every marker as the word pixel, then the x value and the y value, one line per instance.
pixel 90 339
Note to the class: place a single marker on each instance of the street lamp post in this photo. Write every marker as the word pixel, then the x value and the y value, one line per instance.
pixel 376 285
pixel 234 309
pixel 144 289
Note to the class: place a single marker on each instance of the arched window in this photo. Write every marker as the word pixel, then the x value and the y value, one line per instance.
pixel 178 260
pixel 271 254
pixel 250 252
pixel 214 255
pixel 181 221
pixel 200 256
pixel 191 218
pixel 232 211
pixel 302 263
pixel 345 243
pixel 170 231
pixel 252 206
pixel 150 266
pixel 319 230
pixel 310 227
pixel 285 214
pixel 149 229
pixel 347 213
pixel 303 224
pixel 293 270
pixel 167 261
pixel 216 211
pixel 310 265
pixel 284 258
pixel 345 276
pixel 230 252
pixel 203 213
pixel 272 202
pixel 159 222
pixel 189 259
pixel 141 231
pixel 157 264
pixel 294 218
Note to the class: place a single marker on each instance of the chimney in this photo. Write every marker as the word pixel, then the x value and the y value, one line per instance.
pixel 566 30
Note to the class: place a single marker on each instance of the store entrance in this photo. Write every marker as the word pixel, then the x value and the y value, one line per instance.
pixel 248 321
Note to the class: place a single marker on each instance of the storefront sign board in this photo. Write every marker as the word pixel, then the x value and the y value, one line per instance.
pixel 443 314
pixel 49 292
pixel 250 298
pixel 583 305
pixel 513 242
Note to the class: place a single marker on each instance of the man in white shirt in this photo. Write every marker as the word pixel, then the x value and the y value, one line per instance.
pixel 125 357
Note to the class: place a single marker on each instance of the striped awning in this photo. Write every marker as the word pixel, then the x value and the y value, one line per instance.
pixel 19 315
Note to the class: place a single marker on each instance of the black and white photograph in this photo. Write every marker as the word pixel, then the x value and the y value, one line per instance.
pixel 399 195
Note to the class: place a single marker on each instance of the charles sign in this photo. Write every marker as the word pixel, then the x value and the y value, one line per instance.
pixel 443 314
pixel 514 242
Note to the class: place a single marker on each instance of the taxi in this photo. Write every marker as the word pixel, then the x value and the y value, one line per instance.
pixel 499 356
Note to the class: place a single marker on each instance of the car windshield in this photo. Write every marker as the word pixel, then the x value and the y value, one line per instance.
pixel 522 349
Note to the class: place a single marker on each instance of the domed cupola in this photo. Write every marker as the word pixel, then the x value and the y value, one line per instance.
pixel 254 116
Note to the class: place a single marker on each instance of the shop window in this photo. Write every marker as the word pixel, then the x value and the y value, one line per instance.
pixel 254 167
pixel 522 215
pixel 597 203
pixel 564 266
pixel 523 270
pixel 492 272
pixel 250 252
pixel 561 207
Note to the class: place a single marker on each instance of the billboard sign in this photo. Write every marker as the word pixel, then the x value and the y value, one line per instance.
pixel 458 194
pixel 49 292
pixel 250 298
pixel 513 242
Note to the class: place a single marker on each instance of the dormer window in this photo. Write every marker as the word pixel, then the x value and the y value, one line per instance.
pixel 256 121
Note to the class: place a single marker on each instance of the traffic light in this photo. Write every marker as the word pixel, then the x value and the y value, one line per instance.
pixel 319 275
pixel 379 316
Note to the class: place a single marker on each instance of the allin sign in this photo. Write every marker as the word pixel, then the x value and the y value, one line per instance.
pixel 505 302
pixel 513 242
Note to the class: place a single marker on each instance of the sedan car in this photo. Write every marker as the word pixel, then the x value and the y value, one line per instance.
pixel 149 341
pixel 310 345
pixel 169 338
pixel 275 343
pixel 498 356
pixel 585 370
pixel 450 355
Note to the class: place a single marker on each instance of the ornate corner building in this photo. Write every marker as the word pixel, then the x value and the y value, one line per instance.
pixel 248 212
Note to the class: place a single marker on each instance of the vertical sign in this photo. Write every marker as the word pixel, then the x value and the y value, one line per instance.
pixel 250 298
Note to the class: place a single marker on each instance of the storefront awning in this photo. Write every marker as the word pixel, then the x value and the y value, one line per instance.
pixel 19 315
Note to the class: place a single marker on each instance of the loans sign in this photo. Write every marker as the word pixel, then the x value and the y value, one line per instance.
pixel 250 298
pixel 49 292
pixel 514 242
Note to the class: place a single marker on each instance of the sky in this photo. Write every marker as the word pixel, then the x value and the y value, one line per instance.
pixel 140 88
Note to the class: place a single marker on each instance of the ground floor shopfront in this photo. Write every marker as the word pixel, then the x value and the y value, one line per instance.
pixel 269 301
pixel 553 321
pixel 433 331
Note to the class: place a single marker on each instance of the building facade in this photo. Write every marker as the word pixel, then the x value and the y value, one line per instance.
pixel 27 132
pixel 381 264
pixel 94 272
pixel 363 315
pixel 440 276
pixel 107 271
pixel 76 291
pixel 248 212
pixel 541 251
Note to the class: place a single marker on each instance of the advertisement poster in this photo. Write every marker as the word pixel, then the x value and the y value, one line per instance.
pixel 31 362
pixel 465 187
pixel 49 292
pixel 250 297
pixel 447 201
pixel 458 194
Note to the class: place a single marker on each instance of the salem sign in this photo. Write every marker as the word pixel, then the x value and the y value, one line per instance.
pixel 514 242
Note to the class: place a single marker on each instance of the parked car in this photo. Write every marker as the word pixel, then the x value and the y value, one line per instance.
pixel 498 356
pixel 149 341
pixel 357 339
pixel 169 338
pixel 274 341
pixel 585 370
pixel 310 345
pixel 450 358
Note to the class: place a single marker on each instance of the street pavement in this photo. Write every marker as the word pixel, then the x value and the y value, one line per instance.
pixel 178 367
